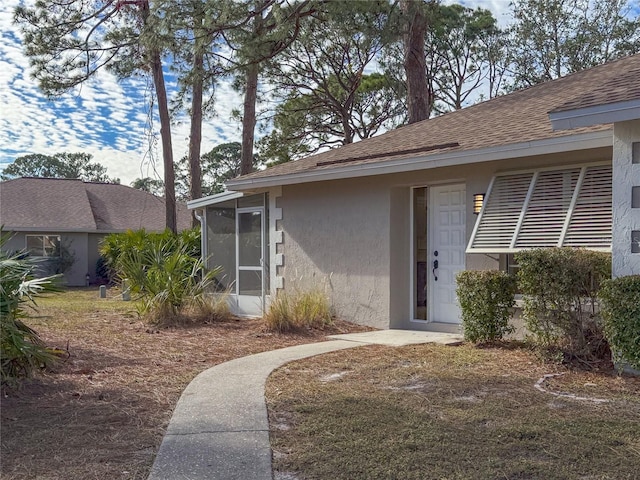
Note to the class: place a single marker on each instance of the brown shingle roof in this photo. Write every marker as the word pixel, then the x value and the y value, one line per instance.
pixel 521 116
pixel 73 205
pixel 623 87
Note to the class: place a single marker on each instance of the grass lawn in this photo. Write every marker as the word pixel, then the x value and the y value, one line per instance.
pixel 438 412
pixel 102 412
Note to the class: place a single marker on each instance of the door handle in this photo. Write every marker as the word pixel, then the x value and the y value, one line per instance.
pixel 435 267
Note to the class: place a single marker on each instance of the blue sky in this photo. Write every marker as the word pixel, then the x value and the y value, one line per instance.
pixel 104 117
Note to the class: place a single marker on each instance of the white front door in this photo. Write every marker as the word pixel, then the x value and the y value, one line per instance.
pixel 446 231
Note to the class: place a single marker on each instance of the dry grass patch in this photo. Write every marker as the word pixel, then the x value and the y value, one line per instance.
pixel 436 412
pixel 103 411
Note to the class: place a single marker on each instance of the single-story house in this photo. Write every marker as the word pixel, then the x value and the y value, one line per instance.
pixel 47 214
pixel 384 224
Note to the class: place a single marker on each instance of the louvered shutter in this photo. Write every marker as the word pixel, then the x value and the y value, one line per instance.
pixel 590 221
pixel 548 208
pixel 546 212
pixel 503 204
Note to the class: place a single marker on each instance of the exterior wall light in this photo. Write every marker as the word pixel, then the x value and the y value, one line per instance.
pixel 478 200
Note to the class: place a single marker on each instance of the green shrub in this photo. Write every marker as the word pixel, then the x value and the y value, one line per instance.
pixel 166 278
pixel 21 349
pixel 621 311
pixel 113 245
pixel 104 273
pixel 165 272
pixel 486 300
pixel 298 310
pixel 560 287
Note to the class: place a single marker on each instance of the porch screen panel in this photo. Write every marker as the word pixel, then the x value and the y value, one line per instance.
pixel 498 221
pixel 591 220
pixel 221 244
pixel 547 209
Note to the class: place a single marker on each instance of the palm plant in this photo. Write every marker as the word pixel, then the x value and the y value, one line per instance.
pixel 21 349
pixel 166 277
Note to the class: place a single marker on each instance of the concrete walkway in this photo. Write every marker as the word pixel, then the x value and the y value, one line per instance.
pixel 220 429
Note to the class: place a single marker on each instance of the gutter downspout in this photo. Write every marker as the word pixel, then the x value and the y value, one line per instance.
pixel 203 230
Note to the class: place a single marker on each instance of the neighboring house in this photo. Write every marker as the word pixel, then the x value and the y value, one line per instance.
pixel 47 214
pixel 384 225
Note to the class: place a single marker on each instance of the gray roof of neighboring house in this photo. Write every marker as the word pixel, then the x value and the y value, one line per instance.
pixel 520 117
pixel 54 204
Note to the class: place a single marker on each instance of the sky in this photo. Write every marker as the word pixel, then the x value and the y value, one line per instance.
pixel 107 118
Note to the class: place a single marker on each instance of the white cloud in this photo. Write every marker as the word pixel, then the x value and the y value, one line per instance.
pixel 104 117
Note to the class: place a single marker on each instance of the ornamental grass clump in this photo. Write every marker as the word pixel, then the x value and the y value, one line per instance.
pixel 620 305
pixel 486 300
pixel 299 310
pixel 560 288
pixel 22 352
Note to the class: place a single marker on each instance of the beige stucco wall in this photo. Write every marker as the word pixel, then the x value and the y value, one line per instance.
pixel 78 244
pixel 625 218
pixel 337 238
pixel 353 237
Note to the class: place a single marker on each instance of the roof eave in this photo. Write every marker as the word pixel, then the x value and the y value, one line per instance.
pixel 566 143
pixel 52 230
pixel 595 115
pixel 213 199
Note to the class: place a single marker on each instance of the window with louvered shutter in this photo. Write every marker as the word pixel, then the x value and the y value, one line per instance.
pixel 590 222
pixel 503 205
pixel 546 208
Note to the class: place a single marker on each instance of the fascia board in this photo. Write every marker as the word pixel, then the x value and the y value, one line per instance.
pixel 596 115
pixel 562 144
pixel 489 251
pixel 213 199
pixel 124 230
pixel 10 228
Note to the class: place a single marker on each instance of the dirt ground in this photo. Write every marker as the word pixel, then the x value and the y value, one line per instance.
pixel 102 411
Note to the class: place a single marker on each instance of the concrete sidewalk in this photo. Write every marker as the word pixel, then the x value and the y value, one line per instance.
pixel 220 429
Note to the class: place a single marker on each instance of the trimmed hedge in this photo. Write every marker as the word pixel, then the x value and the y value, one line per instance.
pixel 621 311
pixel 486 300
pixel 560 288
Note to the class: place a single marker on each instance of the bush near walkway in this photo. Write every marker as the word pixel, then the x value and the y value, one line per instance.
pixel 486 300
pixel 560 288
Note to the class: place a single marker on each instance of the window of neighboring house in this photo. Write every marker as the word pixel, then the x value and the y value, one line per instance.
pixel 43 245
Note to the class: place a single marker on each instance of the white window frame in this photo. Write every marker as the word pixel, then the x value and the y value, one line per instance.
pixel 492 234
pixel 43 238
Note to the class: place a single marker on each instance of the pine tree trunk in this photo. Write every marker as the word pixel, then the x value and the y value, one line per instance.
pixel 419 98
pixel 195 139
pixel 155 61
pixel 249 118
pixel 165 135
